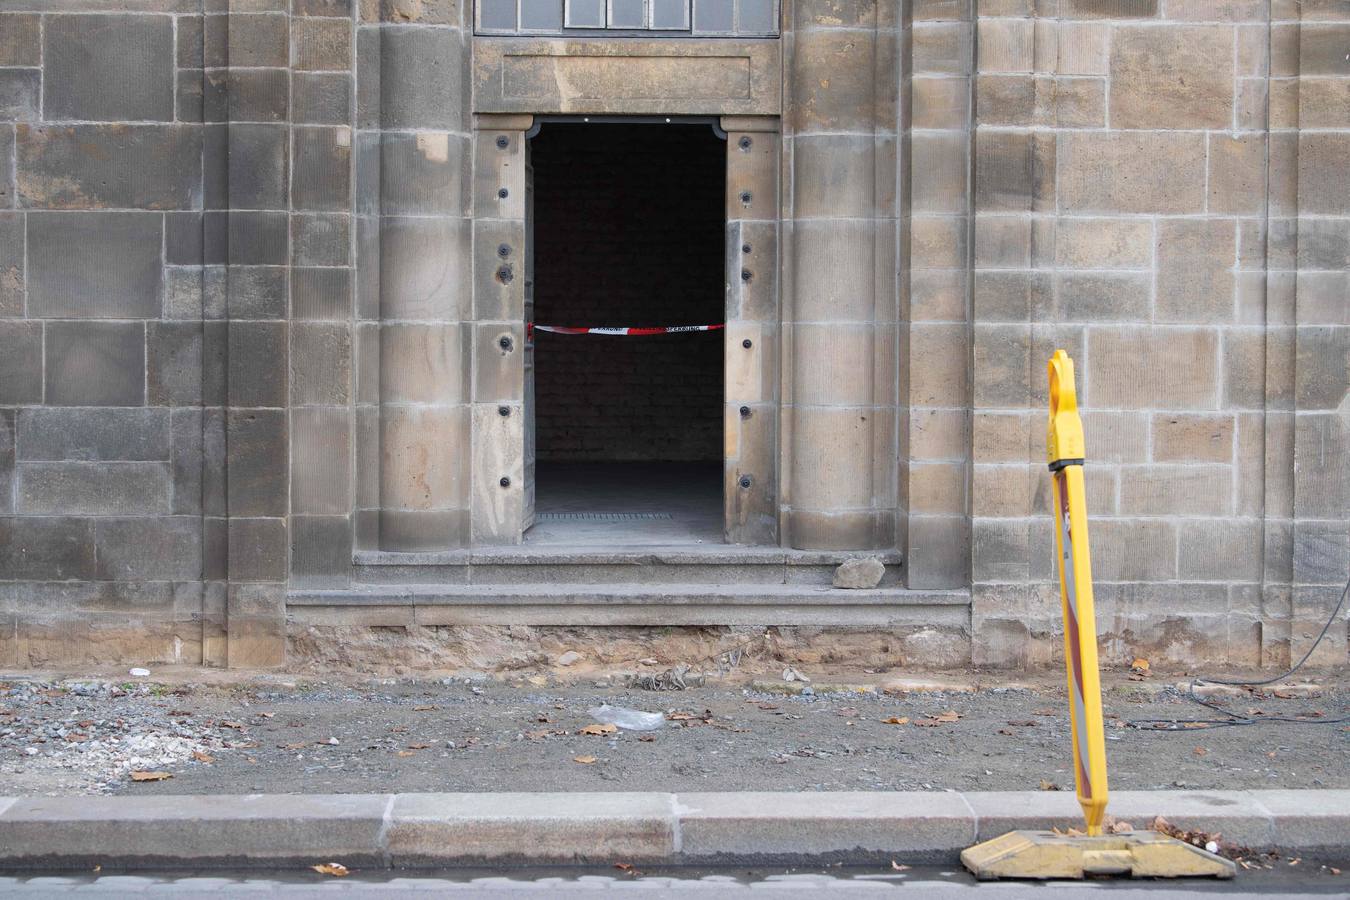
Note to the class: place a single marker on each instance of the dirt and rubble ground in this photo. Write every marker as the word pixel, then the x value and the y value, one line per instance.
pixel 271 734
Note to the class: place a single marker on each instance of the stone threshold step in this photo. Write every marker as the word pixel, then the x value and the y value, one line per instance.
pixel 627 604
pixel 430 830
pixel 581 554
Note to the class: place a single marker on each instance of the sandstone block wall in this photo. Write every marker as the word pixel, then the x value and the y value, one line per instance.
pixel 251 314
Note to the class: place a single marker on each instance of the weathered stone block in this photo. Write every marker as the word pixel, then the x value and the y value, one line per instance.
pixel 1321 49
pixel 19 93
pixel 256 292
pixel 1005 45
pixel 108 67
pixel 1323 367
pixel 7 417
pixel 95 363
pixel 942 47
pixel 320 239
pixel 321 551
pixel 424 268
pixel 1015 172
pixel 324 293
pixel 321 98
pixel 20 362
pixel 258 454
pixel 1001 366
pixel 940 161
pixel 46 433
pixel 164 548
pixel 257 626
pixel 136 166
pixel 258 364
pixel 46 548
pixel 12 264
pixel 424 455
pixel 173 363
pixel 1321 167
pixel 834 260
pixel 1132 172
pixel 1095 243
pixel 1237 174
pixel 1099 297
pixel 257 238
pixel 368 59
pixel 258 40
pixel 424 173
pixel 1175 77
pixel 258 167
pixel 321 364
pixel 246 95
pixel 428 65
pixel 1197 490
pixel 1221 551
pixel 1195 270
pixel 7 187
pixel 321 461
pixel 424 363
pixel 1181 437
pixel 940 101
pixel 20 39
pixel 835 176
pixel 833 85
pixel 258 549
pixel 94 264
pixel 321 44
pixel 322 176
pixel 94 488
pixel 1321 552
pixel 1144 368
pixel 1109 9
pixel 187 459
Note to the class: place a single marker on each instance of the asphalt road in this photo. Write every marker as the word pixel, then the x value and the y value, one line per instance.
pixel 766 883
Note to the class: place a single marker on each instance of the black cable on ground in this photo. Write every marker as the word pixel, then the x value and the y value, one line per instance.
pixel 1235 718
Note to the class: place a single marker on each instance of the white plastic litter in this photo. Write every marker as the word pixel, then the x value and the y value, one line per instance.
pixel 139 673
pixel 627 719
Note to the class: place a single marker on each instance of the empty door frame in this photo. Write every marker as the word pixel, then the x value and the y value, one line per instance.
pixel 501 494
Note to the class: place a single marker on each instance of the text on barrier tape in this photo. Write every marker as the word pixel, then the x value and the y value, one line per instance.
pixel 630 332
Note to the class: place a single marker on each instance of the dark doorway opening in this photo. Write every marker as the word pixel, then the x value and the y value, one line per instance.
pixel 628 230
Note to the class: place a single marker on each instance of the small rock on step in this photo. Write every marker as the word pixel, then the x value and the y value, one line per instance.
pixel 863 573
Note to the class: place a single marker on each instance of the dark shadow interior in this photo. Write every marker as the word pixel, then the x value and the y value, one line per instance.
pixel 629 230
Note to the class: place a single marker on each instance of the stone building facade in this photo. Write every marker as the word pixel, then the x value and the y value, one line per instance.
pixel 266 269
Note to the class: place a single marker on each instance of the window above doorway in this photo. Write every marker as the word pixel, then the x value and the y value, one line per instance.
pixel 648 18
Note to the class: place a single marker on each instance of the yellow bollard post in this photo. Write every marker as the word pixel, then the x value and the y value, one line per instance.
pixel 1049 854
pixel 1065 446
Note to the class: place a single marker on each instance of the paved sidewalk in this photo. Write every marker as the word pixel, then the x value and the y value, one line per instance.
pixel 374 831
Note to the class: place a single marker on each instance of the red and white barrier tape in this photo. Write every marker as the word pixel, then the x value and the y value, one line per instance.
pixel 630 332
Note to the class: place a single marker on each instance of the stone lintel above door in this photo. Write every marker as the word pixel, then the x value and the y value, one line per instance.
pixel 627 77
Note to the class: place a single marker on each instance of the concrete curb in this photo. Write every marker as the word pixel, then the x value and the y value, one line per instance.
pixel 446 830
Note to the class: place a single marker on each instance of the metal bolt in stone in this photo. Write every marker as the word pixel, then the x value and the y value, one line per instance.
pixel 746 275
pixel 504 342
pixel 747 343
pixel 745 412
pixel 503 411
pixel 746 197
pixel 505 482
pixel 745 248
pixel 503 250
pixel 746 143
pixel 503 142
pixel 745 481
pixel 503 193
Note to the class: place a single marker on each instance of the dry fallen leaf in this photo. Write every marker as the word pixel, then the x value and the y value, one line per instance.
pixel 427 708
pixel 680 716
pixel 584 760
pixel 1007 732
pixel 896 720
pixel 948 716
pixel 228 723
pixel 337 870
pixel 297 745
pixel 150 776
pixel 406 753
pixel 899 867
pixel 1048 785
pixel 1139 666
pixel 418 746
pixel 647 738
pixel 1200 751
pixel 1044 712
pixel 598 729
pixel 626 867
pixel 201 757
pixel 1023 723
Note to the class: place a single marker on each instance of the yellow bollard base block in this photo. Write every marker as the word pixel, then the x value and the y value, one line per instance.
pixel 1045 855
